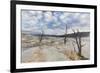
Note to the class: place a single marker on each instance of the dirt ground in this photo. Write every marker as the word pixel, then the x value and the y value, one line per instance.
pixel 52 49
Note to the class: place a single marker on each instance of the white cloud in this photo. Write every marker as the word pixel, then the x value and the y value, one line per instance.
pixel 33 21
pixel 81 29
pixel 48 16
pixel 30 20
pixel 56 31
pixel 85 19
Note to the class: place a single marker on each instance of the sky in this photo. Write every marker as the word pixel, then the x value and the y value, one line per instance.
pixel 54 22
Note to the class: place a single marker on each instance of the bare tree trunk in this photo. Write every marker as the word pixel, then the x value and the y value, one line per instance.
pixel 41 36
pixel 65 35
pixel 78 42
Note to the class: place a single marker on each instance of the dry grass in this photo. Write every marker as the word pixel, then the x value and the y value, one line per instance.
pixel 57 43
pixel 71 55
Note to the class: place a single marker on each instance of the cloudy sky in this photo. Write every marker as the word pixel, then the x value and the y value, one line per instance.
pixel 54 22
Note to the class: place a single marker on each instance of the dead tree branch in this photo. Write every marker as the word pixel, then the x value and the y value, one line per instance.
pixel 78 41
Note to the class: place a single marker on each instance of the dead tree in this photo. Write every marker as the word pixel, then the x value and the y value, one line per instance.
pixel 78 41
pixel 41 36
pixel 65 35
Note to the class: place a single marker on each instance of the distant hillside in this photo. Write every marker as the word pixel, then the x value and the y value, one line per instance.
pixel 82 34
